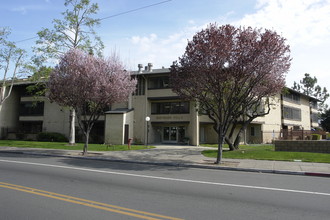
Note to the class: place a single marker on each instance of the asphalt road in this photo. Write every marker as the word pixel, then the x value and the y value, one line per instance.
pixel 37 187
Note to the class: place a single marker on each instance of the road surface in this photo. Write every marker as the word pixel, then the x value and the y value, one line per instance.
pixel 38 187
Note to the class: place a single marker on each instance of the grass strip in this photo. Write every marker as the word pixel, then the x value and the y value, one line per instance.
pixel 65 146
pixel 267 152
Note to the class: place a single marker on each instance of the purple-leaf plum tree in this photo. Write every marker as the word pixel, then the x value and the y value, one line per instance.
pixel 89 84
pixel 227 71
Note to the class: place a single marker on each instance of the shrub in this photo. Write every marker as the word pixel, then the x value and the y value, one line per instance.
pixel 52 137
pixel 20 136
pixel 137 141
pixel 316 137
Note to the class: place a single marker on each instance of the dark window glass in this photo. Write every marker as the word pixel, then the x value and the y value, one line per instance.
pixel 170 108
pixel 252 131
pixel 314 104
pixel 161 82
pixel 140 86
pixel 32 109
pixel 30 127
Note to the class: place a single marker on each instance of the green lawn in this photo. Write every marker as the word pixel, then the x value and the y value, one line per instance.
pixel 267 152
pixel 64 146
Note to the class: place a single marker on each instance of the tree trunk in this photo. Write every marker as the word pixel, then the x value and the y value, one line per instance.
pixel 2 94
pixel 237 140
pixel 230 144
pixel 72 135
pixel 86 142
pixel 0 121
pixel 231 133
pixel 220 143
pixel 238 137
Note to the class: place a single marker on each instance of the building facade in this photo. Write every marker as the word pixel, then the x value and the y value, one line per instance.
pixel 172 120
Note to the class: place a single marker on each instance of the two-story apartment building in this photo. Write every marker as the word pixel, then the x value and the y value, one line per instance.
pixel 172 120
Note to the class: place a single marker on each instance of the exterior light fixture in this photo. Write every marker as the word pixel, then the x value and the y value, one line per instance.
pixel 147 121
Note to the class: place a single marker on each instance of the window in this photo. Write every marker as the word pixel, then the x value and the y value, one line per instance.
pixel 170 108
pixel 291 113
pixel 30 127
pixel 315 118
pixel 252 131
pixel 31 109
pixel 161 82
pixel 314 104
pixel 292 97
pixel 140 86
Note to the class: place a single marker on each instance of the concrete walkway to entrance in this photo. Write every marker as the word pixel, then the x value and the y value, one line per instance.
pixel 185 156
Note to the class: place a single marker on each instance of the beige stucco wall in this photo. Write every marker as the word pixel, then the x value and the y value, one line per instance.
pixel 120 105
pixel 272 122
pixel 139 103
pixel 9 113
pixel 210 136
pixel 305 114
pixel 56 119
pixel 161 93
pixel 205 118
pixel 114 129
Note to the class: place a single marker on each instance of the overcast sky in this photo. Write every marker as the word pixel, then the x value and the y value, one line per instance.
pixel 159 34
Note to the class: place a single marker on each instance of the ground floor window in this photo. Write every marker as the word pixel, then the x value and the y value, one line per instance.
pixel 252 131
pixel 30 127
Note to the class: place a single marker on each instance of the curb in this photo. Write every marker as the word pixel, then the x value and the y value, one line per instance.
pixel 190 165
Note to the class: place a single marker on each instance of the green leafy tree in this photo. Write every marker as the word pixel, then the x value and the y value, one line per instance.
pixel 12 63
pixel 325 120
pixel 308 86
pixel 38 88
pixel 74 30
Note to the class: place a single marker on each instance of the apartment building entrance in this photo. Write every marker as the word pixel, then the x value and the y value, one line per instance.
pixel 173 134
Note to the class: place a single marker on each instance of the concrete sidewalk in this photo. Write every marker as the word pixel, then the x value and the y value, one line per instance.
pixel 184 156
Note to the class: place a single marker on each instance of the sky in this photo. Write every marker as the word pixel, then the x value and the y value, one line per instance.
pixel 159 34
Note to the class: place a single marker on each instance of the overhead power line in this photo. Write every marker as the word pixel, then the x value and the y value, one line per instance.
pixel 111 16
pixel 133 10
pixel 31 38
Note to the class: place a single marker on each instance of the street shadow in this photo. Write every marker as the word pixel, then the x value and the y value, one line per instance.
pixel 19 155
pixel 122 166
pixel 141 164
